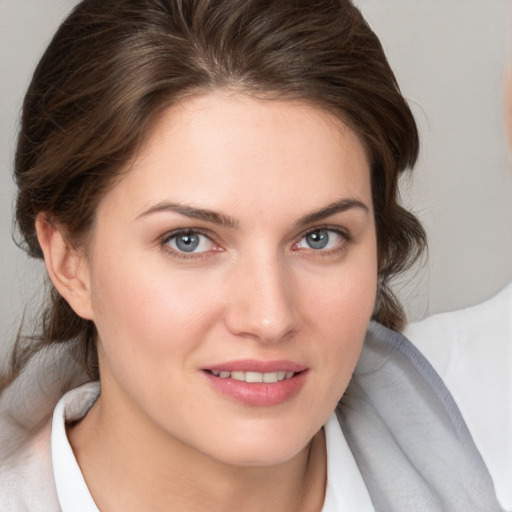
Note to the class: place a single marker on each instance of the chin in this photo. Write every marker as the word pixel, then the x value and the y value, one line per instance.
pixel 261 448
pixel 263 458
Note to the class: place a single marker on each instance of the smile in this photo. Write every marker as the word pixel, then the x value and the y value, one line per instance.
pixel 255 377
pixel 257 383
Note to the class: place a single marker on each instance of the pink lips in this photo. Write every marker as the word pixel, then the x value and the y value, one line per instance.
pixel 258 393
pixel 254 365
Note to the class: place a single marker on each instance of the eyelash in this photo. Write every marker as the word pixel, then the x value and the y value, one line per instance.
pixel 341 232
pixel 181 254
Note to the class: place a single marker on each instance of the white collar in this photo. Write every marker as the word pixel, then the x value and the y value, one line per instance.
pixel 74 496
pixel 345 490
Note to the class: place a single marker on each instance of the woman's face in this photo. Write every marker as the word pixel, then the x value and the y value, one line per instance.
pixel 232 274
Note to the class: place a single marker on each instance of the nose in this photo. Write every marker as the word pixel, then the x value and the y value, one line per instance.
pixel 262 303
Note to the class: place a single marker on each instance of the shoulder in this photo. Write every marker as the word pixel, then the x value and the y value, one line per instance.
pixel 27 476
pixel 407 434
pixel 468 333
pixel 26 407
pixel 472 351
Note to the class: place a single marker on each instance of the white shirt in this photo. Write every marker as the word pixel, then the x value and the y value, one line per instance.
pixel 471 349
pixel 345 490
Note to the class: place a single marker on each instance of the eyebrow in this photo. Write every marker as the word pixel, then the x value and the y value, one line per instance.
pixel 336 207
pixel 224 220
pixel 193 213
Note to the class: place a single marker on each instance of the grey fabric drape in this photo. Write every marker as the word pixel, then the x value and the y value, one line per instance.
pixel 404 429
pixel 408 436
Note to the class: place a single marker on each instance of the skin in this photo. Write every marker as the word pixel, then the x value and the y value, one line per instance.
pixel 160 437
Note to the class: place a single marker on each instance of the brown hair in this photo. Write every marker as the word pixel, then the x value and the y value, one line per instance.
pixel 114 65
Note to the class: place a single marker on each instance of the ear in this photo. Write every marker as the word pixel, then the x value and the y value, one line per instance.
pixel 67 267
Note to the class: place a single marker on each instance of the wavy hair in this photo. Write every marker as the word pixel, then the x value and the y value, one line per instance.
pixel 114 65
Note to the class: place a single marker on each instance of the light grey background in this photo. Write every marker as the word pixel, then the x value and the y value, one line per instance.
pixel 449 57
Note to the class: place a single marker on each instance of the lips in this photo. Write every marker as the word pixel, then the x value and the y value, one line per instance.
pixel 256 365
pixel 257 383
pixel 254 377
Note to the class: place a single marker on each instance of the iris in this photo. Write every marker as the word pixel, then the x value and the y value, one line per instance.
pixel 187 242
pixel 318 239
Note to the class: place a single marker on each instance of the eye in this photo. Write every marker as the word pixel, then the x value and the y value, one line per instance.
pixel 322 240
pixel 189 241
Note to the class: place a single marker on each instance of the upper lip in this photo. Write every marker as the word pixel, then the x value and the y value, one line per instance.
pixel 256 365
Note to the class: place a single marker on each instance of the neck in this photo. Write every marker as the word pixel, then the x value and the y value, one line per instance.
pixel 127 469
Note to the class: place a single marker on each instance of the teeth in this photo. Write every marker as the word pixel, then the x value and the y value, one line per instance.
pixel 238 375
pixel 252 377
pixel 270 378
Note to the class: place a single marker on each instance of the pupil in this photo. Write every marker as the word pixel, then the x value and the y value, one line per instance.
pixel 317 239
pixel 187 242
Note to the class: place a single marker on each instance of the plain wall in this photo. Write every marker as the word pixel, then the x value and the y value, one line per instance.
pixel 26 27
pixel 449 57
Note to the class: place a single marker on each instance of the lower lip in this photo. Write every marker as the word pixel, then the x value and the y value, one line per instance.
pixel 259 394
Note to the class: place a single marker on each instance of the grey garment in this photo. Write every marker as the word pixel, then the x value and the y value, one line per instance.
pixel 26 406
pixel 407 435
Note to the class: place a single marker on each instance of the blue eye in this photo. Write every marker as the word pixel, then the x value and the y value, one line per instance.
pixel 189 242
pixel 320 239
pixel 317 239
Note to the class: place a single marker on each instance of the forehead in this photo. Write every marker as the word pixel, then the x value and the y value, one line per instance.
pixel 222 149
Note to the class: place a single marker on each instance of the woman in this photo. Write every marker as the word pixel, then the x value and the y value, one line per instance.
pixel 213 188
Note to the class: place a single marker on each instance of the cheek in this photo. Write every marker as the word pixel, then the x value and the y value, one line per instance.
pixel 144 310
pixel 344 298
pixel 345 317
pixel 340 308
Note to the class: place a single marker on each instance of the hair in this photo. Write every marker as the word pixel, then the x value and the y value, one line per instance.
pixel 114 65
